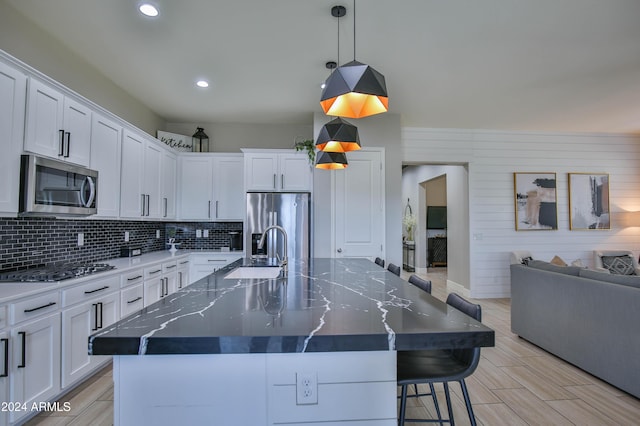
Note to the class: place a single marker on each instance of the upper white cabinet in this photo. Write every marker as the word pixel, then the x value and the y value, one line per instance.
pixel 57 126
pixel 13 93
pixel 106 142
pixel 277 170
pixel 169 171
pixel 142 180
pixel 211 187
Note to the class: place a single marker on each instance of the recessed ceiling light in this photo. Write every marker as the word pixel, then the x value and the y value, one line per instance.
pixel 202 83
pixel 148 9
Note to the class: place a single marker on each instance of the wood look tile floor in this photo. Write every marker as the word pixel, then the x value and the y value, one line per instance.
pixel 516 383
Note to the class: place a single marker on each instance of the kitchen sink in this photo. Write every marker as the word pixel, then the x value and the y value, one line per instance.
pixel 250 272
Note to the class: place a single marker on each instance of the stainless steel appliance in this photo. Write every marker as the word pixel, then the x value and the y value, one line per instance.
pixel 55 273
pixel 235 241
pixel 57 188
pixel 291 211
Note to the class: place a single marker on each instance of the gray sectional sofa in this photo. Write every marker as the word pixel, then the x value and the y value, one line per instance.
pixel 588 318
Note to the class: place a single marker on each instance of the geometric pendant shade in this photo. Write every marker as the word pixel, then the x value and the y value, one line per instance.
pixel 331 160
pixel 338 136
pixel 354 90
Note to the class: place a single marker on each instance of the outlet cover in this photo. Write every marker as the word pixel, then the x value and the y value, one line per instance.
pixel 306 388
pixel 80 239
pixel 206 233
pixel 198 233
pixel 126 236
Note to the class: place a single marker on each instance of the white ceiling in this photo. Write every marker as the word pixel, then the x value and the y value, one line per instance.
pixel 548 65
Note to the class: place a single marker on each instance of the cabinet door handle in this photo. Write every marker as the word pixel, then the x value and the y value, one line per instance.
pixel 165 206
pixel 172 266
pixel 134 300
pixel 96 290
pixel 66 155
pixel 100 305
pixel 282 181
pixel 209 210
pixel 274 181
pixel 155 272
pixel 179 279
pixel 23 357
pixel 26 311
pixel 148 203
pixel 134 278
pixel 6 357
pixel 184 262
pixel 143 200
pixel 61 142
pixel 216 209
pixel 95 316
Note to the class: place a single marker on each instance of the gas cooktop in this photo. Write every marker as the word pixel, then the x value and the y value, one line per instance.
pixel 55 273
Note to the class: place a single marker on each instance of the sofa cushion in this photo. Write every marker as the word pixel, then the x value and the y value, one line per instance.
pixel 540 264
pixel 629 280
pixel 620 265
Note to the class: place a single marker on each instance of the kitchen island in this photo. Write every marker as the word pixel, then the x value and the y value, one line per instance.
pixel 317 345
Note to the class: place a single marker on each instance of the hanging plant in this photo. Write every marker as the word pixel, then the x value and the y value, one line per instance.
pixel 310 147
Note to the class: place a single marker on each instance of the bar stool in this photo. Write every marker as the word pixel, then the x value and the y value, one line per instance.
pixel 420 283
pixel 394 269
pixel 440 366
pixel 379 262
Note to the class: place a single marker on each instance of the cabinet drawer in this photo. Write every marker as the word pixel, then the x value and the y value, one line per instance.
pixel 169 266
pixel 184 263
pixel 34 307
pixel 153 271
pixel 131 300
pixel 131 278
pixel 90 290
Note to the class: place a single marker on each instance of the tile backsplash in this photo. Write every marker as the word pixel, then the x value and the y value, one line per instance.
pixel 33 242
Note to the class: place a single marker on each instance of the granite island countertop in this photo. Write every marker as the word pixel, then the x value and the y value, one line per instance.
pixel 322 305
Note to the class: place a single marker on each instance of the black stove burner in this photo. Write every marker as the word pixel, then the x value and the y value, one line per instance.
pixel 55 273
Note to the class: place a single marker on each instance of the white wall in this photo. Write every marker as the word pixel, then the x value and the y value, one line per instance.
pixel 230 137
pixel 493 157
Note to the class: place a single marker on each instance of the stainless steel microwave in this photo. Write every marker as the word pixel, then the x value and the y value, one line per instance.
pixel 50 187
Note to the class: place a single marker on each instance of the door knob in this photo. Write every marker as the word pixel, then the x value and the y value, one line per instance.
pixel 339 250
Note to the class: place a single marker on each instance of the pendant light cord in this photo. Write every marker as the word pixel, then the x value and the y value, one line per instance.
pixel 354 30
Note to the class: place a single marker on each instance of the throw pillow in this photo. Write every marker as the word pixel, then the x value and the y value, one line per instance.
pixel 557 260
pixel 620 265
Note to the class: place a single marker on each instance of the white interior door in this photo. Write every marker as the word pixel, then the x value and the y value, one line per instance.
pixel 359 206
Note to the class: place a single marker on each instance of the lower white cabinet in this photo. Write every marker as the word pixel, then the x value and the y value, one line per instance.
pixel 131 300
pixel 183 273
pixel 4 375
pixel 206 264
pixel 34 362
pixel 160 281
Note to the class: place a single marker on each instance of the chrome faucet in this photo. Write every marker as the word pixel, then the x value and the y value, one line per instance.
pixel 284 261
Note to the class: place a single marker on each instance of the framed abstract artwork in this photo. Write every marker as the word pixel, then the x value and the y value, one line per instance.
pixel 589 201
pixel 536 201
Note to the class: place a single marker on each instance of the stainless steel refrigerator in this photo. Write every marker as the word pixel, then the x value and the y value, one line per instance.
pixel 291 211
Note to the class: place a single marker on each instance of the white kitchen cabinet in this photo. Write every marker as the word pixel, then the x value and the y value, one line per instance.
pixel 169 172
pixel 183 273
pixel 160 281
pixel 34 362
pixel 57 126
pixel 211 187
pixel 87 308
pixel 4 375
pixel 141 177
pixel 277 171
pixel 13 94
pixel 131 300
pixel 208 263
pixel 106 143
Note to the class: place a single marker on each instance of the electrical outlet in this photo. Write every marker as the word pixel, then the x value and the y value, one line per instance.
pixel 80 239
pixel 306 388
pixel 126 236
pixel 198 233
pixel 157 233
pixel 206 233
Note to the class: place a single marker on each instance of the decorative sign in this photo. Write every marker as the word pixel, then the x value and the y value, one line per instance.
pixel 178 142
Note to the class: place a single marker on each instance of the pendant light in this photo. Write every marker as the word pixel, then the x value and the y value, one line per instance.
pixel 338 136
pixel 354 90
pixel 331 160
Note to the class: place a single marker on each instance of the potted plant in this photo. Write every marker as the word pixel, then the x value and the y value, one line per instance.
pixel 310 147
